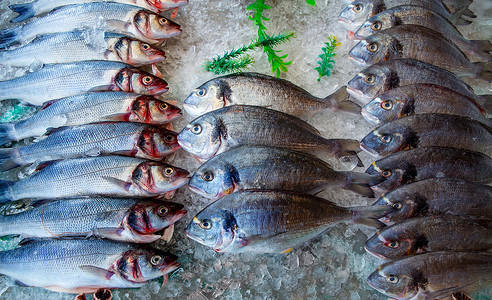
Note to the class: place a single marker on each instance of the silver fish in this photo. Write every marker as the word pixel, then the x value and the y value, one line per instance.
pixel 63 80
pixel 84 266
pixel 116 176
pixel 126 19
pixel 121 138
pixel 128 220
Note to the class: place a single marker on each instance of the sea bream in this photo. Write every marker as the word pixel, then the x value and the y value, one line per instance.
pixel 271 221
pixel 419 43
pixel 116 176
pixel 80 266
pixel 120 18
pixel 237 125
pixel 120 138
pixel 437 196
pixel 266 91
pixel 64 80
pixel 121 219
pixel 76 46
pixel 31 9
pixel 423 98
pixel 418 15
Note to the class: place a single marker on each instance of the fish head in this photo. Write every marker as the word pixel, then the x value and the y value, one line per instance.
pixel 393 174
pixel 386 139
pixel 155 142
pixel 162 5
pixel 354 14
pixel 215 179
pixel 154 26
pixel 207 97
pixel 163 112
pixel 375 48
pixel 371 82
pixel 213 228
pixel 202 137
pixel 133 80
pixel 375 24
pixel 404 205
pixel 152 216
pixel 155 177
pixel 394 280
pixel 386 108
pixel 136 52
pixel 391 243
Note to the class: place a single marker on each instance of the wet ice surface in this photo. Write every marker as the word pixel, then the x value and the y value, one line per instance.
pixel 332 266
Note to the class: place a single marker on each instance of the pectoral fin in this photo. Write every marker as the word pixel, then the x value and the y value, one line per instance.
pixel 168 233
pixel 118 117
pixel 100 272
pixel 156 71
pixel 118 25
pixel 445 292
pixel 124 184
pixel 109 233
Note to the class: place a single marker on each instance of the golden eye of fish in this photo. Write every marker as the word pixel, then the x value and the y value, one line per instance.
pixel 155 260
pixel 386 173
pixel 147 80
pixel 196 129
pixel 144 46
pixel 205 224
pixel 162 211
pixel 163 106
pixel 357 8
pixel 169 138
pixel 385 138
pixel 397 205
pixel 201 92
pixel 372 47
pixel 386 105
pixel 392 279
pixel 168 171
pixel 370 79
pixel 208 176
pixel 393 244
pixel 163 21
pixel 376 26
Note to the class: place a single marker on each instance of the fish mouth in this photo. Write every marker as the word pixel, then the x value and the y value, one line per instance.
pixel 354 91
pixel 371 151
pixel 369 117
pixel 380 256
pixel 184 144
pixel 355 36
pixel 344 20
pixel 169 267
pixel 180 214
pixel 357 60
pixel 197 190
pixel 180 181
pixel 195 238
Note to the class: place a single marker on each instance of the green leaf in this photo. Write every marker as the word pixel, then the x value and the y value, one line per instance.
pixel 311 2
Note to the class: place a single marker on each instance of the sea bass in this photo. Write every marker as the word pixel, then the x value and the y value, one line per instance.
pixel 63 80
pixel 121 138
pixel 116 176
pixel 91 108
pixel 419 43
pixel 128 220
pixel 428 130
pixel 433 275
pixel 437 196
pixel 266 91
pixel 269 221
pixel 418 15
pixel 120 18
pixel 431 162
pixel 270 168
pixel 423 98
pixel 38 7
pixel 76 46
pixel 237 125
pixel 84 266
pixel 429 234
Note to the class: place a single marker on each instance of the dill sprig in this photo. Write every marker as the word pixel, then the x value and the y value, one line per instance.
pixel 327 58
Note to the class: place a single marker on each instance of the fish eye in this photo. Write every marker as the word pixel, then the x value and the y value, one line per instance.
pixel 393 244
pixel 205 224
pixel 376 26
pixel 397 205
pixel 163 21
pixel 162 211
pixel 370 79
pixel 163 106
pixel 385 138
pixel 145 46
pixel 201 92
pixel 155 260
pixel 386 173
pixel 208 176
pixel 196 129
pixel 168 171
pixel 358 8
pixel 169 138
pixel 386 105
pixel 372 47
pixel 392 279
pixel 147 80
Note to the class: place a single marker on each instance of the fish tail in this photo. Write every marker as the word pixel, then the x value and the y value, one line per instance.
pixel 369 215
pixel 6 193
pixel 463 12
pixel 361 183
pixel 485 102
pixel 9 37
pixel 482 49
pixel 7 133
pixel 9 158
pixel 340 101
pixel 25 11
pixel 484 71
pixel 345 147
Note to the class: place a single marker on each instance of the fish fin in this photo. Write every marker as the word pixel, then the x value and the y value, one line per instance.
pixel 7 133
pixel 484 71
pixel 100 272
pixel 460 296
pixel 169 126
pixel 340 101
pixel 109 233
pixel 9 159
pixel 165 279
pixel 457 17
pixel 461 22
pixel 482 49
pixel 168 233
pixel 9 37
pixel 360 183
pixel 485 102
pixel 80 297
pixel 287 250
pixel 6 191
pixel 345 147
pixel 369 215
pixel 118 24
pixel 20 283
pixel 174 14
pixel 156 71
pixel 169 195
pixel 445 292
pixel 118 117
pixel 25 11
pixel 124 184
pixel 102 88
pixel 125 153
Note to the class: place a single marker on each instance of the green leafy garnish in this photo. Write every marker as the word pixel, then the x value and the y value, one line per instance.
pixel 327 58
pixel 311 2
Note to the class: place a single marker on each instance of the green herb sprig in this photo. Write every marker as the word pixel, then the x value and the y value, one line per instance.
pixel 327 58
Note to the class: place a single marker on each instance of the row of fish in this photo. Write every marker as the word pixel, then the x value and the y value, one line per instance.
pixel 100 131
pixel 434 138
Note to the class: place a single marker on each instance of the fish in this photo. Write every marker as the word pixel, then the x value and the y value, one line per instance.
pixel 430 162
pixel 127 220
pixel 120 138
pixel 419 43
pixel 92 107
pixel 270 221
pixel 83 266
pixel 433 275
pixel 429 234
pixel 475 50
pixel 437 196
pixel 116 176
pixel 357 12
pixel 428 130
pixel 271 168
pixel 129 20
pixel 73 46
pixel 237 125
pixel 64 80
pixel 422 98
pixel 384 76
pixel 266 91
pixel 38 7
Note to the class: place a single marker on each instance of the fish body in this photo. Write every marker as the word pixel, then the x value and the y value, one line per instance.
pixel 433 275
pixel 428 130
pixel 64 80
pixel 270 168
pixel 84 266
pixel 419 43
pixel 269 221
pixel 128 220
pixel 121 138
pixel 431 162
pixel 237 125
pixel 262 90
pixel 416 99
pixel 120 18
pixel 429 234
pixel 116 176
pixel 73 46
pixel 418 15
